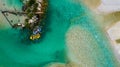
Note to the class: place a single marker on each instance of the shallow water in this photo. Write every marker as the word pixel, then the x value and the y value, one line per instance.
pixel 62 14
pixel 51 49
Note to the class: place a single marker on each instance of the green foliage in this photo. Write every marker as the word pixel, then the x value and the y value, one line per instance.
pixel 30 15
pixel 31 2
pixel 35 7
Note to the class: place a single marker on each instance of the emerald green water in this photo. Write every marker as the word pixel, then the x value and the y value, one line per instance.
pixel 15 52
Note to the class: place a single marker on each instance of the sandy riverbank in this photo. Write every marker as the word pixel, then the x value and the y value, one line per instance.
pixel 80 40
pixel 93 4
pixel 107 13
pixel 113 34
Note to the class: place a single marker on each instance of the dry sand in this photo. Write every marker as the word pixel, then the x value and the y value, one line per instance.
pixel 104 18
pixel 113 34
pixel 78 58
pixel 93 4
pixel 107 15
pixel 108 6
pixel 103 6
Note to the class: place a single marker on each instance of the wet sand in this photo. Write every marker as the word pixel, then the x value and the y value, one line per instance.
pixel 80 40
pixel 105 19
pixel 107 15
pixel 79 55
pixel 79 50
pixel 113 35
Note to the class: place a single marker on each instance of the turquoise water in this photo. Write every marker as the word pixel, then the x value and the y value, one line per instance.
pixel 101 51
pixel 15 52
